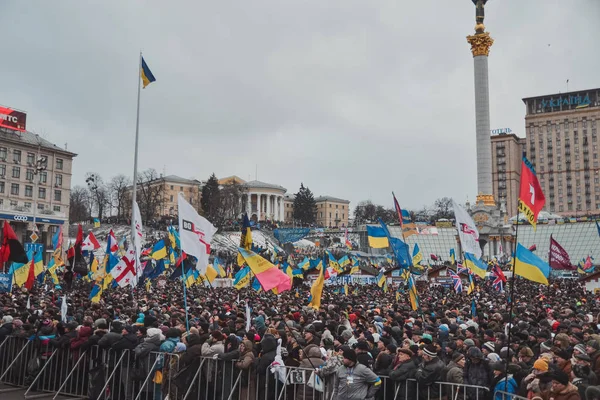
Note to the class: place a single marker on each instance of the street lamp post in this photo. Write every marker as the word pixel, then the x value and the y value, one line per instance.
pixel 41 163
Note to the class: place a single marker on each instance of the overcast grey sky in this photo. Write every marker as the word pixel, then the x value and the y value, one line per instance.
pixel 353 98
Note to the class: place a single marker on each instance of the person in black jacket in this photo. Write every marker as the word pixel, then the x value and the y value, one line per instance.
pixel 128 341
pixel 64 341
pixel 363 355
pixel 405 369
pixel 267 356
pixel 429 372
pixel 113 336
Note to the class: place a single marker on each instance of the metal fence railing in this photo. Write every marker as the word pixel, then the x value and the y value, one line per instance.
pixel 107 374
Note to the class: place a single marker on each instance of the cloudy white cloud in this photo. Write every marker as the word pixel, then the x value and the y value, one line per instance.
pixel 353 98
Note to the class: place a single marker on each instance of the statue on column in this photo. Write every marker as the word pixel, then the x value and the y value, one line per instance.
pixel 479 14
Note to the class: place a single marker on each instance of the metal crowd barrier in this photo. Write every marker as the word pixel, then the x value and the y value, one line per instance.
pixel 107 374
pixel 15 352
pixel 503 395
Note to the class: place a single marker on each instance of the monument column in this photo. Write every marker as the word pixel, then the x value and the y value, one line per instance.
pixel 268 206
pixel 480 47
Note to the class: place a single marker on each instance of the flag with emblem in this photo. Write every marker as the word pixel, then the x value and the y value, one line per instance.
pixel 124 272
pixel 531 197
pixel 195 233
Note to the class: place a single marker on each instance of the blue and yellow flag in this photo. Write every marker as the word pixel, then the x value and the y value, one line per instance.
pixel 316 291
pixel 344 261
pixel 256 285
pixel 381 279
pixel 452 257
pixel 478 267
pixel 96 222
pixel 242 278
pixel 377 237
pixel 159 251
pixel 297 273
pixel 417 256
pixel 413 294
pixel 146 74
pixel 316 264
pixel 191 277
pixel 219 267
pixel 38 262
pixel 304 264
pixel 530 266
pixel 96 293
pixel 211 273
pixel 471 284
pixel 333 263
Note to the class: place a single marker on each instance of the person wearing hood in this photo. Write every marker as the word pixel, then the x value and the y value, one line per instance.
pixel 142 352
pixel 6 328
pixel 266 358
pixel 310 359
pixel 245 363
pixel 476 372
pixel 83 335
pixel 562 389
pixel 501 382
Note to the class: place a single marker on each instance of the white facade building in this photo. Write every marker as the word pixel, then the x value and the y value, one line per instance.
pixel 263 201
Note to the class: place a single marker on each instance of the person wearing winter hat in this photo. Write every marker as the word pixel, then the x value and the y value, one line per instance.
pixel 477 371
pixel 500 381
pixel 430 371
pixel 355 381
pixel 455 373
pixel 562 360
pixel 562 389
pixel 488 347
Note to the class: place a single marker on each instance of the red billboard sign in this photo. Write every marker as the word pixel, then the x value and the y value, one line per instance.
pixel 12 119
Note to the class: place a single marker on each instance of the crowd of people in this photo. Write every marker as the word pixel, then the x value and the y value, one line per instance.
pixel 364 344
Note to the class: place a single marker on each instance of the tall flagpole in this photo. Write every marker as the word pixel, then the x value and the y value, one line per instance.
pixel 135 166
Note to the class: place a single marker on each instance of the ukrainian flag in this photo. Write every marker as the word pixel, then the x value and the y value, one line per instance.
pixel 381 279
pixel 413 294
pixel 355 270
pixel 297 273
pixel 146 74
pixel 191 277
pixel 477 266
pixel 256 285
pixel 219 267
pixel 211 273
pixel 38 263
pixel 316 291
pixel 96 223
pixel 289 271
pixel 159 251
pixel 377 237
pixel 316 264
pixel 471 284
pixel 452 257
pixel 344 261
pixel 242 278
pixel 333 263
pixel 304 264
pixel 530 266
pixel 96 293
pixel 417 256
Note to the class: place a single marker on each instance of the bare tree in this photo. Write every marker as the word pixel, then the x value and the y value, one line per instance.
pixel 230 198
pixel 79 204
pixel 118 187
pixel 150 194
pixel 99 195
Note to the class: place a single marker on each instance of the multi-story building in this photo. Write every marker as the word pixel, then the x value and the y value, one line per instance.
pixel 161 195
pixel 507 153
pixel 562 144
pixel 35 183
pixel 332 212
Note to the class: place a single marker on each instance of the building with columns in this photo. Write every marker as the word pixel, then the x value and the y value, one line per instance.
pixel 263 201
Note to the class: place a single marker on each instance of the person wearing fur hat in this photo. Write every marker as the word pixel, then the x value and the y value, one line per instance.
pixel 429 371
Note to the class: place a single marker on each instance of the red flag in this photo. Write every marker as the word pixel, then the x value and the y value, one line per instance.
pixel 559 258
pixel 90 243
pixel 531 197
pixel 31 276
pixel 12 249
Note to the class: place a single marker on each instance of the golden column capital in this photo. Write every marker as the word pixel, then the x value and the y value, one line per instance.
pixel 480 44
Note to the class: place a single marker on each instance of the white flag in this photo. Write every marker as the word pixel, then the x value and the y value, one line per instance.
pixel 467 231
pixel 28 302
pixel 195 233
pixel 137 241
pixel 248 319
pixel 63 309
pixel 124 271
